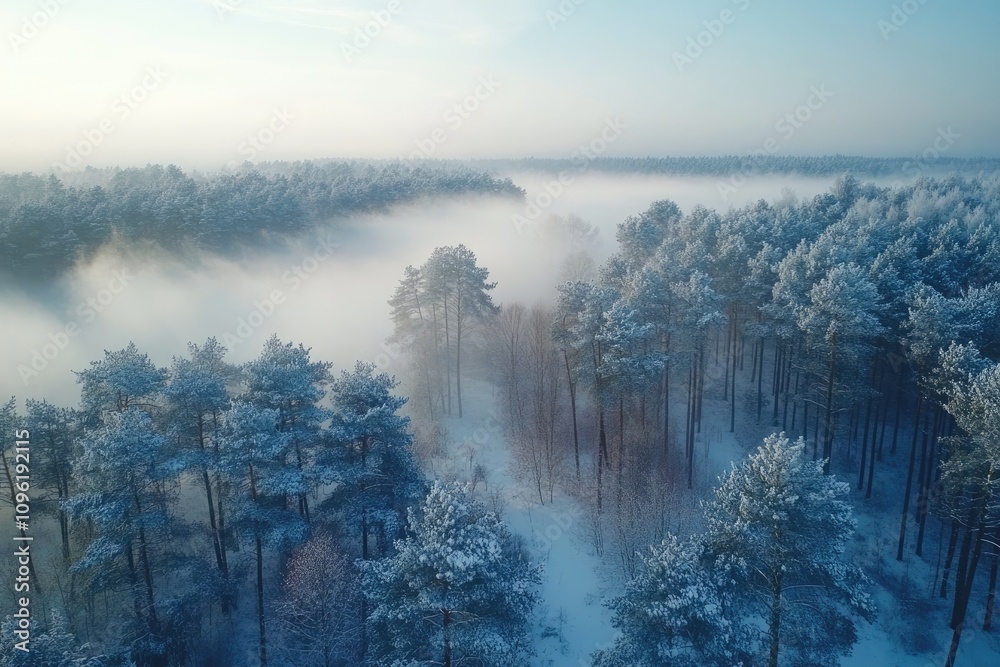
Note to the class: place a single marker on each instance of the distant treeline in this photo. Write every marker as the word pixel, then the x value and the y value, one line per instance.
pixel 727 165
pixel 47 223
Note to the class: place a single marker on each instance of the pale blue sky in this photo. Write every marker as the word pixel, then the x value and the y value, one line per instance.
pixel 225 72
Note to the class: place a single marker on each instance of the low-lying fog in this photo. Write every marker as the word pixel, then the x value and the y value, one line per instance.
pixel 333 302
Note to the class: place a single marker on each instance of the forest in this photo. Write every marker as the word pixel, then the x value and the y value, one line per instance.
pixel 774 428
pixel 758 163
pixel 47 224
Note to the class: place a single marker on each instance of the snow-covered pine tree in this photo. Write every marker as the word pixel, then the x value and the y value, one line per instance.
pixel 631 363
pixel 840 323
pixel 370 457
pixel 458 590
pixel 677 613
pixel 568 310
pixel 285 379
pixel 54 431
pixel 699 309
pixel 124 378
pixel 253 458
pixel 125 472
pixel 52 645
pixel 971 476
pixel 579 314
pixel 778 527
pixel 197 396
pixel 417 330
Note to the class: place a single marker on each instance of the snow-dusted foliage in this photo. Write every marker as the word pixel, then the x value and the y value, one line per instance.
pixel 123 468
pixel 369 453
pixel 768 581
pixel 677 612
pixel 254 459
pixel 971 477
pixel 124 378
pixel 458 590
pixel 285 379
pixel 125 494
pixel 778 526
pixel 53 645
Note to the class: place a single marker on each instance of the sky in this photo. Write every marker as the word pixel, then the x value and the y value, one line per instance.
pixel 208 83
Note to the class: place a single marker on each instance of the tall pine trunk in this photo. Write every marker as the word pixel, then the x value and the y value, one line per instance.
pixel 828 425
pixel 259 553
pixel 949 559
pixel 926 487
pixel 446 635
pixel 732 379
pixel 774 629
pixel 963 592
pixel 909 477
pixel 572 405
pixel 992 589
pixel 689 430
pixel 458 353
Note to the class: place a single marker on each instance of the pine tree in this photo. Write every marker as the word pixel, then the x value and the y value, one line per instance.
pixel 457 591
pixel 580 313
pixel 253 459
pixel 123 379
pixel 677 612
pixel 125 474
pixel 779 526
pixel 370 456
pixel 459 286
pixel 197 396
pixel 54 431
pixel 417 330
pixel 284 378
pixel 841 322
pixel 971 475
pixel 630 365
pixel 53 645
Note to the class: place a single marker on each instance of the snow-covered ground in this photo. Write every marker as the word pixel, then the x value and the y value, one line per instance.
pixel 572 621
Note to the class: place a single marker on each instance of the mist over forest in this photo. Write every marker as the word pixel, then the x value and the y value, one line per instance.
pixel 534 333
pixel 626 343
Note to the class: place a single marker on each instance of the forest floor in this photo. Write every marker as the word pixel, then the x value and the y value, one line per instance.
pixel 572 621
